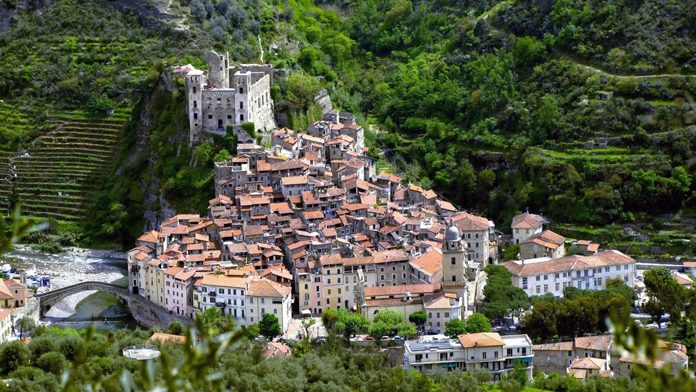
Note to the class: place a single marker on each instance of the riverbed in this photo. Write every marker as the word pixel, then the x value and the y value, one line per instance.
pixel 73 266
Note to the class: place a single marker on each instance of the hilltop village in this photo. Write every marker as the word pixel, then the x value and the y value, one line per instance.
pixel 305 224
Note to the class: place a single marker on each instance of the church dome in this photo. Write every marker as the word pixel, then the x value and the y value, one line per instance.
pixel 452 233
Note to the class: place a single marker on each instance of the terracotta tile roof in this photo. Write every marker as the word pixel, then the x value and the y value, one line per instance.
pixel 150 236
pixel 316 214
pixel 400 290
pixel 559 346
pixel 277 349
pixel 588 363
pixel 218 280
pixel 262 287
pixel 439 301
pixel 597 343
pixel 445 205
pixel 482 339
pixel 167 338
pixel 429 262
pixel 470 222
pixel 5 292
pixel 546 238
pixel 527 221
pixel 294 180
pixel 332 259
pixel 569 263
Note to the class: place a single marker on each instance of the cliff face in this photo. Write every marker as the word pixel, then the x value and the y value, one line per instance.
pixel 154 147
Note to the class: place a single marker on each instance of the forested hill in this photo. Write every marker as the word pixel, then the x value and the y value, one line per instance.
pixel 491 105
pixel 582 110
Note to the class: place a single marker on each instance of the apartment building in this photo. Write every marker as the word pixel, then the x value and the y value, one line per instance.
pixel 545 275
pixel 488 350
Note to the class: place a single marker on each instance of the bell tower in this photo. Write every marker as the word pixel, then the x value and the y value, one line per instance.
pixel 454 264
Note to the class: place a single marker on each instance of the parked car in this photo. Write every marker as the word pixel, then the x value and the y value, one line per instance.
pixel 399 339
pixel 369 338
pixel 384 338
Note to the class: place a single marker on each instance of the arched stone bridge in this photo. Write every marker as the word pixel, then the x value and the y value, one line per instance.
pixel 144 311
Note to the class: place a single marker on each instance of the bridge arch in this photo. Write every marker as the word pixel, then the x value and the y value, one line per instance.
pixel 48 299
pixel 144 311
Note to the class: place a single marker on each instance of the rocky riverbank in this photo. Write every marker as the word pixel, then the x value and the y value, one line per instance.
pixel 64 269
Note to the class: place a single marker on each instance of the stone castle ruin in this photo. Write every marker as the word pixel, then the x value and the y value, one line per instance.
pixel 229 95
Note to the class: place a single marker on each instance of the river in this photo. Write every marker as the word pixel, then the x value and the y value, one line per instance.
pixel 73 266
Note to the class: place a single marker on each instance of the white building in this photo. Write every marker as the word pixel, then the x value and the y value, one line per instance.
pixel 266 296
pixel 545 275
pixel 5 325
pixel 526 225
pixel 489 351
pixel 476 231
pixel 228 293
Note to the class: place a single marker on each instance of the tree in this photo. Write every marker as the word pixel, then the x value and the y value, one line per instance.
pixel 175 328
pixel 406 330
pixel 541 322
pixel 269 326
pixel 52 362
pixel 214 321
pixel 13 355
pixel 350 323
pixel 665 293
pixel 386 323
pixel 307 327
pixel 501 298
pixel 419 318
pixel 329 318
pixel 100 105
pixel 477 322
pixel 454 328
pixel 25 325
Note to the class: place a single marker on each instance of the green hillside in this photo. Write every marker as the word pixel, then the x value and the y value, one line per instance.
pixel 494 104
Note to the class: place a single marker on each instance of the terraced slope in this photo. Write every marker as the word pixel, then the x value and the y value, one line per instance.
pixel 5 180
pixel 62 170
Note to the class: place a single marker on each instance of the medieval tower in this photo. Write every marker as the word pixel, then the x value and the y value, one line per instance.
pixel 454 265
pixel 228 95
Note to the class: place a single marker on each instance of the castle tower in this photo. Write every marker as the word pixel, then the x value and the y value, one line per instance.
pixel 218 70
pixel 454 265
pixel 195 80
pixel 242 83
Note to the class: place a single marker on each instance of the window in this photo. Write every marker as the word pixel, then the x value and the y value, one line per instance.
pixel 329 292
pixel 546 288
pixel 606 269
pixel 558 275
pixel 546 277
pixel 241 105
pixel 626 267
pixel 229 116
pixel 241 90
pixel 495 354
pixel 210 117
pixel 454 278
pixel 538 278
pixel 538 289
pixel 557 286
pixel 241 117
pixel 484 355
pixel 454 261
pixel 194 89
pixel 446 314
pixel 339 290
pixel 524 283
